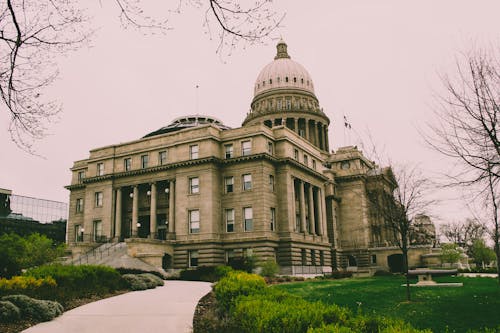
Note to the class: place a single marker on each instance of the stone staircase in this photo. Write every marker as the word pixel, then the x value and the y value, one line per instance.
pixel 100 255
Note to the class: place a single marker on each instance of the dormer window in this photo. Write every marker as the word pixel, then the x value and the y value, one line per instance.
pixel 270 81
pixel 302 81
pixel 286 79
pixel 294 80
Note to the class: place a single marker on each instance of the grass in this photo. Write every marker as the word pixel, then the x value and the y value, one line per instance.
pixel 475 305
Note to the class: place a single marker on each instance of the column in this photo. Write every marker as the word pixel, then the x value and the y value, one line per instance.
pixel 135 210
pixel 316 133
pixel 152 213
pixel 322 199
pixel 327 145
pixel 321 136
pixel 307 129
pixel 171 207
pixel 296 124
pixel 291 219
pixel 302 207
pixel 118 214
pixel 312 220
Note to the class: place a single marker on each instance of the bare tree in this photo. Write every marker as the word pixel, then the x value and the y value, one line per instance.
pixel 33 33
pixel 467 131
pixel 398 207
pixel 464 233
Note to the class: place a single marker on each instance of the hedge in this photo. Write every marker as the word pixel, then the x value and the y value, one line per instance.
pixel 40 310
pixel 236 284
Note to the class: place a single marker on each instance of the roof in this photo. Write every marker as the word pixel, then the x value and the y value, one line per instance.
pixel 188 122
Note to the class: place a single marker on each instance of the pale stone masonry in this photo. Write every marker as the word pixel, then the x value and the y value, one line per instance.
pixel 197 192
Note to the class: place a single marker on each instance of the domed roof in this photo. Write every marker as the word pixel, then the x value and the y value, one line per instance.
pixel 283 72
pixel 188 122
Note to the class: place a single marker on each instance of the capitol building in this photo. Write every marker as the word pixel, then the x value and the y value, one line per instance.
pixel 199 193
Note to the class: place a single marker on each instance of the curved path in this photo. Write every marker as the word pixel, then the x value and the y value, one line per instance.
pixel 165 309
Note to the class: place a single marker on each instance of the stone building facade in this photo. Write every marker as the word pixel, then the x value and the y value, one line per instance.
pixel 197 192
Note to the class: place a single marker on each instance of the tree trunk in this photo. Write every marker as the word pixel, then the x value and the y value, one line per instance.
pixel 405 270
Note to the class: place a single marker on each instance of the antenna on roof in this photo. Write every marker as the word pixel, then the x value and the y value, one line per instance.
pixel 197 102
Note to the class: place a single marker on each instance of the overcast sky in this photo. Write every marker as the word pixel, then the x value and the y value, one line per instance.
pixel 377 62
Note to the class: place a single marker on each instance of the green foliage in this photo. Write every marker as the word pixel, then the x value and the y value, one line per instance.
pixel 80 281
pixel 236 284
pixel 222 271
pixel 19 253
pixel 204 273
pixel 246 263
pixel 135 282
pixel 123 270
pixel 9 312
pixel 158 282
pixel 450 253
pixel 28 285
pixel 482 254
pixel 269 268
pixel 40 310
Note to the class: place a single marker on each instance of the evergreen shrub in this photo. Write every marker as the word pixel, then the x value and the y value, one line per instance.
pixel 40 310
pixel 135 282
pixel 9 312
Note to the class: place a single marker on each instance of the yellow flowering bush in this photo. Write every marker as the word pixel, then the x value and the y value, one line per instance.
pixel 28 285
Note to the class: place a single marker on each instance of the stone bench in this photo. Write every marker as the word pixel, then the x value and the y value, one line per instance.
pixel 425 275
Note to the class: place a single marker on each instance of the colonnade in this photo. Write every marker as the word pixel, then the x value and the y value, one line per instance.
pixel 314 131
pixel 310 215
pixel 151 190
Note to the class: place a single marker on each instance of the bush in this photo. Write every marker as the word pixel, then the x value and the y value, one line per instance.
pixel 200 273
pixel 222 271
pixel 123 270
pixel 246 264
pixel 269 268
pixel 339 275
pixel 79 281
pixel 153 278
pixel 135 282
pixel 39 310
pixel 382 273
pixel 28 285
pixel 236 284
pixel 9 312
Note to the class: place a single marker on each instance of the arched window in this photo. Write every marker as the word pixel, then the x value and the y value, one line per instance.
pixel 286 79
pixel 302 81
pixel 294 80
pixel 270 81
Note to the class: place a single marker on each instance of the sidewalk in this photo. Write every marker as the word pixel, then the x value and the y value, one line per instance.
pixel 165 309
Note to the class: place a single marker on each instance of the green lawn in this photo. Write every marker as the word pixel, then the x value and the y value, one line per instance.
pixel 475 305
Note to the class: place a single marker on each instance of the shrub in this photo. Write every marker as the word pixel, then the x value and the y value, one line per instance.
pixel 40 310
pixel 200 273
pixel 80 281
pixel 9 312
pixel 28 285
pixel 123 270
pixel 269 268
pixel 153 278
pixel 246 264
pixel 339 275
pixel 235 284
pixel 382 273
pixel 135 282
pixel 222 271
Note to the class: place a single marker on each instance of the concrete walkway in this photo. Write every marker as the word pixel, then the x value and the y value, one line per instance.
pixel 165 309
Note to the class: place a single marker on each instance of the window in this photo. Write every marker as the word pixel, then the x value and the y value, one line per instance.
pixel 193 258
pixel 229 183
pixel 228 150
pixel 229 220
pixel 278 104
pixel 162 157
pixel 100 169
pixel 194 221
pixel 194 185
pixel 270 148
pixel 296 154
pixel 230 256
pixel 193 152
pixel 97 232
pixel 374 259
pixel 248 219
pixel 127 164
pixel 313 257
pixel 314 164
pixel 288 104
pixel 144 161
pixel 98 199
pixel 306 160
pixel 271 183
pixel 273 219
pixel 304 257
pixel 81 176
pixel 322 258
pixel 247 182
pixel 79 205
pixel 78 233
pixel 246 148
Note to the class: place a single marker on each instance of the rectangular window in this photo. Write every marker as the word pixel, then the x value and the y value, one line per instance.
pixel 162 157
pixel 270 148
pixel 296 154
pixel 229 220
pixel 194 221
pixel 374 259
pixel 194 185
pixel 288 104
pixel 127 164
pixel 313 257
pixel 81 176
pixel 144 161
pixel 246 148
pixel 247 182
pixel 306 160
pixel 193 152
pixel 230 255
pixel 229 184
pixel 228 149
pixel 97 232
pixel 304 257
pixel 193 258
pixel 248 219
pixel 271 183
pixel 78 233
pixel 79 205
pixel 273 219
pixel 100 169
pixel 314 164
pixel 98 199
pixel 322 258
